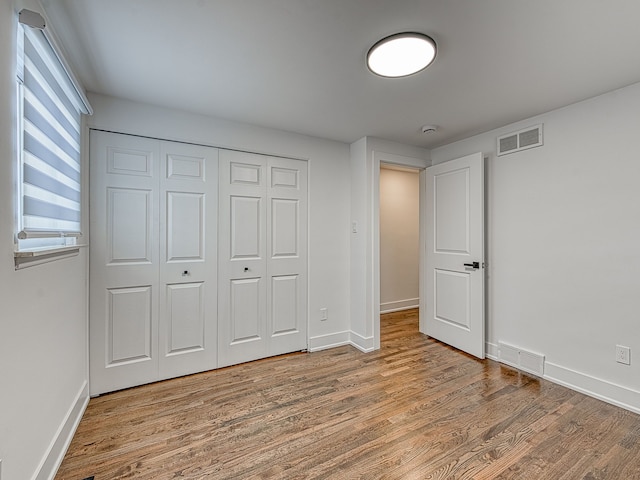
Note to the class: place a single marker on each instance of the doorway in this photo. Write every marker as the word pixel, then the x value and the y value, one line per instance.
pixel 399 236
pixel 458 195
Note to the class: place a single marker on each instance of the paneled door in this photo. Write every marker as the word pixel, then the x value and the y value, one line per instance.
pixel 153 261
pixel 188 252
pixel 454 275
pixel 286 255
pixel 262 257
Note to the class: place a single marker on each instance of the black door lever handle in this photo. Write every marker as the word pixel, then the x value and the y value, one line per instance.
pixel 472 265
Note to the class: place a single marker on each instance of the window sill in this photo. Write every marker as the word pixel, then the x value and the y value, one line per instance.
pixel 37 256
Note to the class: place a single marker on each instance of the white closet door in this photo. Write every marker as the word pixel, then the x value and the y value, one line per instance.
pixel 153 261
pixel 287 255
pixel 242 311
pixel 263 257
pixel 124 261
pixel 188 250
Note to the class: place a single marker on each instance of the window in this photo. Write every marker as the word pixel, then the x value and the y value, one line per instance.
pixel 50 108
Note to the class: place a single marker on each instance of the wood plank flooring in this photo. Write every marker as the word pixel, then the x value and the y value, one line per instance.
pixel 415 409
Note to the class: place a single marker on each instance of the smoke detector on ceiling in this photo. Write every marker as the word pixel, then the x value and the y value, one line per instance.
pixel 426 129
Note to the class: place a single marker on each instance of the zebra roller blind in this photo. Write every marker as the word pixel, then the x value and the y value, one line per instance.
pixel 51 112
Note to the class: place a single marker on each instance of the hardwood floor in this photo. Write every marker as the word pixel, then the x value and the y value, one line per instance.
pixel 415 409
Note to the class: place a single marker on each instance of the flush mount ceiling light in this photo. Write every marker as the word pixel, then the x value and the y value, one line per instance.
pixel 401 54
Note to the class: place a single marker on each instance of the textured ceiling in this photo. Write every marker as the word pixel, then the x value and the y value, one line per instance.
pixel 299 65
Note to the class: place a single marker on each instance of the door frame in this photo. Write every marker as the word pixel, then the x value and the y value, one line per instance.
pixel 401 161
pixel 374 261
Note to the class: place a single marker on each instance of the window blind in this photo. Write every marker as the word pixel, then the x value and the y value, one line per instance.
pixel 50 164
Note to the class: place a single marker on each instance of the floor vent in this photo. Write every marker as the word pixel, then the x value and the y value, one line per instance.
pixel 521 359
pixel 521 140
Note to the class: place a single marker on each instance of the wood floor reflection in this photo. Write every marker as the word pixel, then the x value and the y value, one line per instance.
pixel 415 409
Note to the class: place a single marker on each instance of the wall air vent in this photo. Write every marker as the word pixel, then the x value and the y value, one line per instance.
pixel 521 140
pixel 524 360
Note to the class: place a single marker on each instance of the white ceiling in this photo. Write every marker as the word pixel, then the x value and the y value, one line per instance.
pixel 299 65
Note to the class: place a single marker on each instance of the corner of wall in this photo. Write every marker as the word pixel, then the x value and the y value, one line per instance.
pixel 364 344
pixel 60 443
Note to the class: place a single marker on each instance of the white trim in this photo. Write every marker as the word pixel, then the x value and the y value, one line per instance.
pixel 422 257
pixel 399 305
pixel 364 344
pixel 373 264
pixel 401 162
pixel 38 256
pixel 58 448
pixel 604 390
pixel 331 340
pixel 491 351
pixel 339 339
pixel 380 157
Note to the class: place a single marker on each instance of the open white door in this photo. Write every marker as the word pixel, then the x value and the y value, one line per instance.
pixel 454 274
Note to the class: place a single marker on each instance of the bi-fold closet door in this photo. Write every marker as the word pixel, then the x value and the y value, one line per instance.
pixel 262 257
pixel 165 299
pixel 153 260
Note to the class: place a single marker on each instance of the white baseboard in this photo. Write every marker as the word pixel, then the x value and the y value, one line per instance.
pixel 60 443
pixel 323 342
pixel 399 305
pixel 338 339
pixel 491 351
pixel 604 390
pixel 364 344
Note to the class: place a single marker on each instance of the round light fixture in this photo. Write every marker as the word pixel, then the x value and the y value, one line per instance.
pixel 401 54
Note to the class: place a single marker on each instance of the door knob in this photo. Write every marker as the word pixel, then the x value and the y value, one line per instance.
pixel 472 265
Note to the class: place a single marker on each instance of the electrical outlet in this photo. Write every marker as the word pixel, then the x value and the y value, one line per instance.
pixel 323 314
pixel 623 354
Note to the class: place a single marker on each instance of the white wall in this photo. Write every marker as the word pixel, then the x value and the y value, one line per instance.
pixel 366 156
pixel 361 175
pixel 563 233
pixel 328 192
pixel 399 239
pixel 43 327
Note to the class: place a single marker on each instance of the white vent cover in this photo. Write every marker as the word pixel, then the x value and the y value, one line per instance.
pixel 521 140
pixel 521 359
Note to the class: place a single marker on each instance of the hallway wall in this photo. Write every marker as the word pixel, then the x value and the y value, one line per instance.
pixel 399 239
